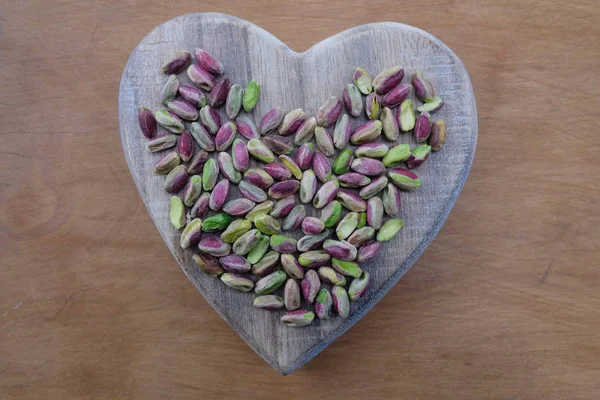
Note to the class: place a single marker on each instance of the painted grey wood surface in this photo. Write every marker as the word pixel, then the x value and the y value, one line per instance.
pixel 291 80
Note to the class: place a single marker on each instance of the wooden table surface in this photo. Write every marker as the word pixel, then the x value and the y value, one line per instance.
pixel 505 304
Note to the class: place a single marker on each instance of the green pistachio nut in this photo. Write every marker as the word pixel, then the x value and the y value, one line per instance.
pixel 407 117
pixel 298 318
pixel 237 282
pixel 389 229
pixel 348 268
pixel 259 250
pixel 363 80
pixel 314 258
pixel 177 212
pixel 283 244
pixel 261 208
pixel 341 302
pixel 250 96
pixel 267 224
pixel 236 229
pixel 358 286
pixel 396 154
pixel 341 165
pixel 347 225
pixel 191 234
pixel 270 283
pixel 266 264
pixel 216 222
pixel 246 242
pixel 210 174
pixel 260 151
pixel 331 213
pixel 361 236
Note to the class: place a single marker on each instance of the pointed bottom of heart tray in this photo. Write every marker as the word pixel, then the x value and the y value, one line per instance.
pixel 291 80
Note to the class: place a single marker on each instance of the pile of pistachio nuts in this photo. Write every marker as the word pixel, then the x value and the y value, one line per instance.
pixel 246 241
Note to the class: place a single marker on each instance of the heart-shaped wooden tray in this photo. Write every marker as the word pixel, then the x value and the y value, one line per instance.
pixel 292 80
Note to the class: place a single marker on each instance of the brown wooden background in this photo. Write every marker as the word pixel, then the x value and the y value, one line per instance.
pixel 505 304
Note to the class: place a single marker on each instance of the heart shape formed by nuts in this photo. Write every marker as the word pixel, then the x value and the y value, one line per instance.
pixel 287 215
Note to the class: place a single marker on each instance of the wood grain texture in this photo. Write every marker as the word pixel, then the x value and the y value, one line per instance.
pixel 290 80
pixel 502 305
